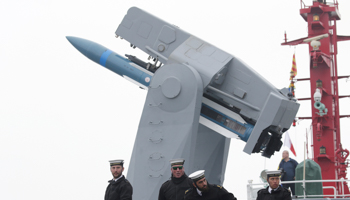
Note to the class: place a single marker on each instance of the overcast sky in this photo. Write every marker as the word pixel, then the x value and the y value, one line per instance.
pixel 62 117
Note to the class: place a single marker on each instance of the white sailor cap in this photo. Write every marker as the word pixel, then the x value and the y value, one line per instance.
pixel 273 173
pixel 116 162
pixel 178 161
pixel 195 176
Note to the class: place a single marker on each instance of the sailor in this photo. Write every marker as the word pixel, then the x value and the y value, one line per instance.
pixel 119 188
pixel 202 190
pixel 174 189
pixel 274 190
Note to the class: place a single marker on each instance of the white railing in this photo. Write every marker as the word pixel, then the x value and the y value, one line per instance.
pixel 252 188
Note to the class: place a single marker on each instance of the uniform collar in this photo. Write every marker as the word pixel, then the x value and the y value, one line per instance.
pixel 270 189
pixel 178 180
pixel 121 176
pixel 199 192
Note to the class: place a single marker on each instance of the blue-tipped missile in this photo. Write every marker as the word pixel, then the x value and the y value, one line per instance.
pixel 132 71
pixel 213 115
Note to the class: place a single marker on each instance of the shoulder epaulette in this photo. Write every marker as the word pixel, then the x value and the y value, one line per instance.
pixel 219 186
pixel 287 189
pixel 187 190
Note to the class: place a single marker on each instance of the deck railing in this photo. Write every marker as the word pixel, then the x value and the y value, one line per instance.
pixel 252 188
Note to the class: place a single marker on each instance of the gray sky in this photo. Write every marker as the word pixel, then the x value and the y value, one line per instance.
pixel 62 117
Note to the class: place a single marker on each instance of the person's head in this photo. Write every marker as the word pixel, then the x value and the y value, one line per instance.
pixel 201 184
pixel 199 180
pixel 273 178
pixel 177 167
pixel 116 168
pixel 285 154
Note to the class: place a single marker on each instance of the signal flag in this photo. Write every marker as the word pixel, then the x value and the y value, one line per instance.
pixel 288 143
pixel 293 71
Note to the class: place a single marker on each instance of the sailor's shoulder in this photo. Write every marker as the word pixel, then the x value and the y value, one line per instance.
pixel 165 184
pixel 188 191
pixel 264 190
pixel 285 190
pixel 218 186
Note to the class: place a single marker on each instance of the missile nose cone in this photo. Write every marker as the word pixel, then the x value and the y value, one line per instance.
pixel 88 48
pixel 82 45
pixel 112 61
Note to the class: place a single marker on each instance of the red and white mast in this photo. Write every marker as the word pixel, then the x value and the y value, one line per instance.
pixel 322 40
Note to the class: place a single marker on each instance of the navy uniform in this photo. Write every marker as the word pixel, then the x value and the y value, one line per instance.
pixel 119 188
pixel 278 193
pixel 213 192
pixel 174 189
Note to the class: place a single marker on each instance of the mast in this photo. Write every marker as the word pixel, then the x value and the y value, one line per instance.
pixel 322 40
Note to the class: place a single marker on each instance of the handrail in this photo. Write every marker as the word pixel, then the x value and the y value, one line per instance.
pixel 306 181
pixel 330 187
pixel 251 184
pixel 342 186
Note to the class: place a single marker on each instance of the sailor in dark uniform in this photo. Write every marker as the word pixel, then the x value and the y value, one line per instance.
pixel 202 190
pixel 174 189
pixel 119 188
pixel 274 191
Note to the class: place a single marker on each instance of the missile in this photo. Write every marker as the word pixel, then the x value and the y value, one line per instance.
pixel 213 116
pixel 113 61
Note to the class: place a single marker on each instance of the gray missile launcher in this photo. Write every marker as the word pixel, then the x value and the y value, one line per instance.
pixel 198 100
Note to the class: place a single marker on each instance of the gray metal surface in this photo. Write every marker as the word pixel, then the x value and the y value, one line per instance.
pixel 197 81
pixel 168 129
pixel 172 106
